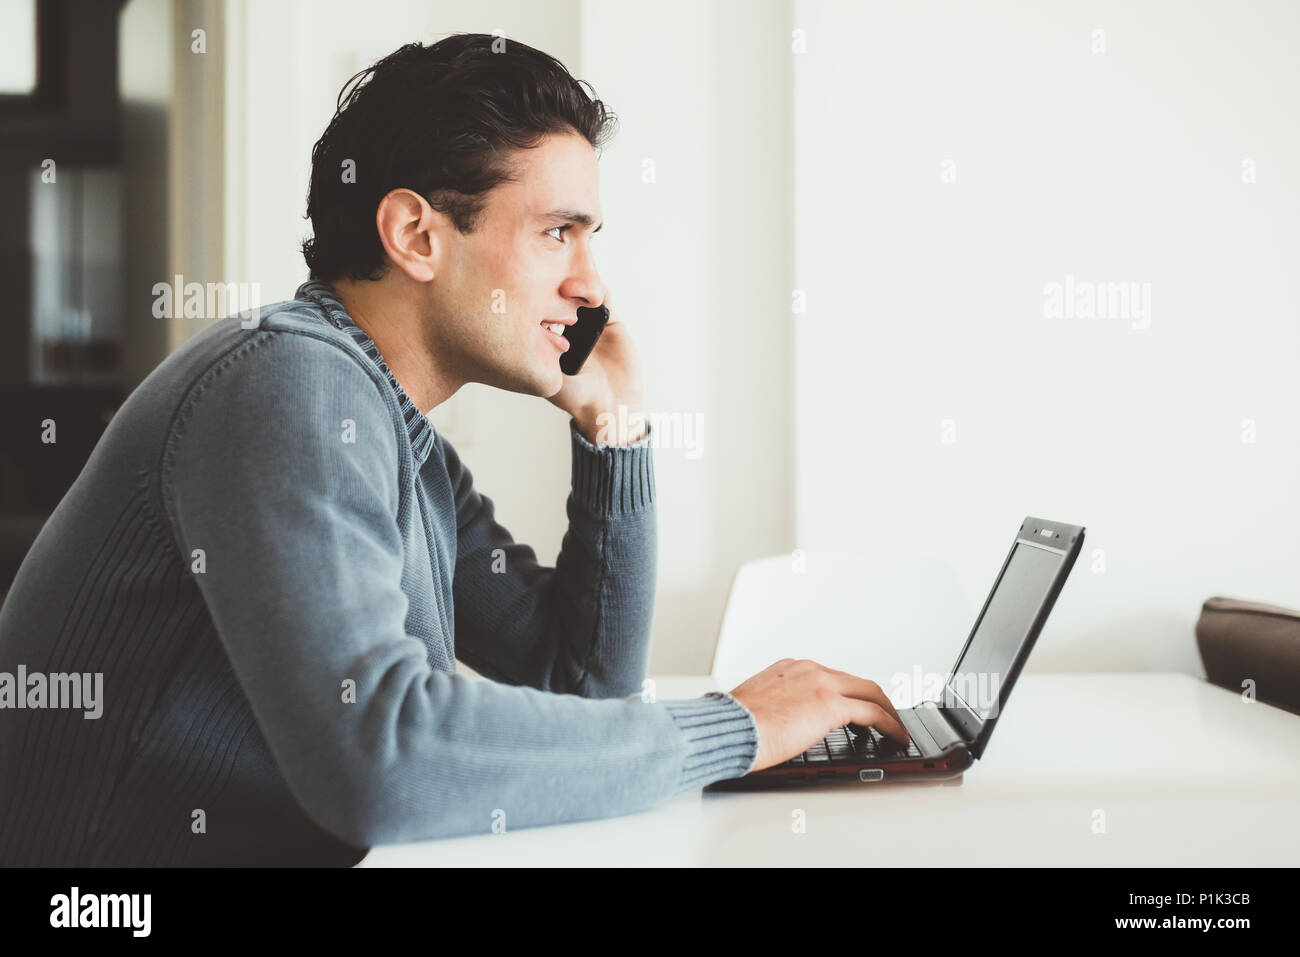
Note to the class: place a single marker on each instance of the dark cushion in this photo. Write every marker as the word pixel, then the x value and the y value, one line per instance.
pixel 1244 641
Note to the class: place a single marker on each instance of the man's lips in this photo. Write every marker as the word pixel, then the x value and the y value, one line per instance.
pixel 558 341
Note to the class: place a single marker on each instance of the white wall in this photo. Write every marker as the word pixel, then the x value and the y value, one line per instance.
pixel 698 261
pixel 926 303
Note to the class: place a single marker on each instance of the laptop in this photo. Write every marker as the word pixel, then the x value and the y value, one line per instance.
pixel 949 734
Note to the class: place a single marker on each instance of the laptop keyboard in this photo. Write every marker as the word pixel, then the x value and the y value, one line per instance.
pixel 843 745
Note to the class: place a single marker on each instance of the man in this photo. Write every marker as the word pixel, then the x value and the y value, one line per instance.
pixel 274 561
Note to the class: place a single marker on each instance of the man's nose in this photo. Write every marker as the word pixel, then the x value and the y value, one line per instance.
pixel 585 284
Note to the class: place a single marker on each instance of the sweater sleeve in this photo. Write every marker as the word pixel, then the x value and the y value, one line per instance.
pixel 281 480
pixel 583 626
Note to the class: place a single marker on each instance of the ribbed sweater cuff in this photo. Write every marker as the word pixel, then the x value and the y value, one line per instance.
pixel 612 479
pixel 723 738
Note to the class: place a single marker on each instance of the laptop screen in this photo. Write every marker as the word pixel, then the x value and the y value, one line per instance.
pixel 978 676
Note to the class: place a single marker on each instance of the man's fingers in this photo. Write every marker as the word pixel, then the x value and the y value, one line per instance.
pixel 852 686
pixel 873 715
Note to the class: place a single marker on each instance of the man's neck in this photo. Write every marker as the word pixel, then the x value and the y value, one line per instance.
pixel 395 326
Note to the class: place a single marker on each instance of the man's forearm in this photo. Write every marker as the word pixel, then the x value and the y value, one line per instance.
pixel 582 627
pixel 609 559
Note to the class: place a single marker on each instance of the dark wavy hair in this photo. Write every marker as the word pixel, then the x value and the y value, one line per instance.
pixel 441 120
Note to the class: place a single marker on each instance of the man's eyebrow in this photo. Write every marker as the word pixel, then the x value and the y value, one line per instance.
pixel 572 216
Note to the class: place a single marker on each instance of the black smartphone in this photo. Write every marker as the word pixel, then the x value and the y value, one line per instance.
pixel 582 336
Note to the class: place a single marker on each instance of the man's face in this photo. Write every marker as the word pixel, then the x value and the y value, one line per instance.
pixel 527 262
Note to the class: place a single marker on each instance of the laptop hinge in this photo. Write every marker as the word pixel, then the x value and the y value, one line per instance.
pixel 945 735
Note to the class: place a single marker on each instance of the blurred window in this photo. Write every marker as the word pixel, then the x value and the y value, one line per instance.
pixel 17 47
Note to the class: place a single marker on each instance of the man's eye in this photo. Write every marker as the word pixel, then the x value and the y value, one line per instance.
pixel 561 229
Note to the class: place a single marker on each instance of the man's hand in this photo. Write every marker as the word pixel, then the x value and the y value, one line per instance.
pixel 610 377
pixel 797 703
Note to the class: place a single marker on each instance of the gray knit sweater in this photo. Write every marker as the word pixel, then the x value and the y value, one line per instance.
pixel 273 561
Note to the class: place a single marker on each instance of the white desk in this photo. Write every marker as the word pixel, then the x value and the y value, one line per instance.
pixel 1186 773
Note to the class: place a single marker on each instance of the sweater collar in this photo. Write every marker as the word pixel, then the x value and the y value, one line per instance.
pixel 417 423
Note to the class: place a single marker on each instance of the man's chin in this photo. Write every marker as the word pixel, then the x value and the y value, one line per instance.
pixel 538 382
pixel 551 380
pixel 555 385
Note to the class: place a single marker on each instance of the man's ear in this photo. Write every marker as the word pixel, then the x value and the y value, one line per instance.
pixel 405 222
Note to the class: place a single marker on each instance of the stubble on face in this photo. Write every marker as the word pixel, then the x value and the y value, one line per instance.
pixel 500 281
